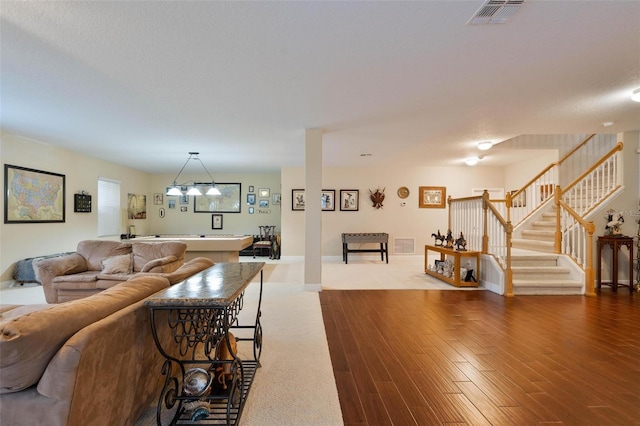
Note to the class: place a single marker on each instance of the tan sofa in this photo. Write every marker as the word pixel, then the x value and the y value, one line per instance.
pixel 91 361
pixel 100 264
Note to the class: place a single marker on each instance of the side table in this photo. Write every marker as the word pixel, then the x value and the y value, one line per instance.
pixel 616 243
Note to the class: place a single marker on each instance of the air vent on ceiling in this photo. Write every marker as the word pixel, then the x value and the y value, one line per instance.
pixel 404 245
pixel 496 11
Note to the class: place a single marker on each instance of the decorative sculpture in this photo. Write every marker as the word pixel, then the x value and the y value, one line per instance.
pixel 614 222
pixel 439 239
pixel 461 243
pixel 448 240
pixel 377 197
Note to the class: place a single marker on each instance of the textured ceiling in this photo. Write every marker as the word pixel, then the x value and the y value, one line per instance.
pixel 143 83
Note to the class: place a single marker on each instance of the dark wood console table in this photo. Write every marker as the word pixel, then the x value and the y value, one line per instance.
pixel 616 243
pixel 361 238
pixel 200 312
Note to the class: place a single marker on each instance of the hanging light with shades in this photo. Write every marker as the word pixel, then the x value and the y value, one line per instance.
pixel 193 187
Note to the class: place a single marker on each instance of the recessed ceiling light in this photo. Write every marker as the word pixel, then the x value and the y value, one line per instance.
pixel 607 123
pixel 484 145
pixel 471 161
pixel 635 96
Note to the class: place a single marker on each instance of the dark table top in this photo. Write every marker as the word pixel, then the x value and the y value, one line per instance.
pixel 216 286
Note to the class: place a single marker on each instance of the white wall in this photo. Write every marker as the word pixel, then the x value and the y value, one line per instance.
pixel 394 219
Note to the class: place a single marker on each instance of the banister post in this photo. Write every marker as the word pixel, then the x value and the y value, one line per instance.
pixel 588 270
pixel 557 241
pixel 449 211
pixel 485 230
pixel 508 275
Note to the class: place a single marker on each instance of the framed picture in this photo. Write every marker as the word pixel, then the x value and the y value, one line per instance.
pixel 251 199
pixel 184 199
pixel 519 200
pixel 216 221
pixel 276 199
pixel 349 200
pixel 251 210
pixel 158 199
pixel 250 188
pixel 432 197
pixel 264 204
pixel 33 196
pixel 183 208
pixel 227 202
pixel 328 201
pixel 172 204
pixel 136 206
pixel 297 199
pixel 263 192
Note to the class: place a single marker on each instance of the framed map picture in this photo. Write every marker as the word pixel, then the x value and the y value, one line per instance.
pixel 33 196
pixel 227 202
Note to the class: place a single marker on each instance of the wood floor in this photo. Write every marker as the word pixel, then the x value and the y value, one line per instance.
pixel 413 357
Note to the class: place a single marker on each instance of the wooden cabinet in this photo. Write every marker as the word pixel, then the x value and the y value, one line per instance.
pixel 459 259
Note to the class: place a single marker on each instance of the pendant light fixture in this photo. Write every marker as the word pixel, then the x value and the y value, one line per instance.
pixel 193 188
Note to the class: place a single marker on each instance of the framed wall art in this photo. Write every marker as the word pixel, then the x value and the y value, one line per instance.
pixel 432 197
pixel 216 221
pixel 264 204
pixel 227 202
pixel 276 198
pixel 297 199
pixel 251 199
pixel 33 196
pixel 263 192
pixel 137 206
pixel 328 201
pixel 158 199
pixel 349 199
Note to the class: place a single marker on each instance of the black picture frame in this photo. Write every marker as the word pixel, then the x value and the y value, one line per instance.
pixel 251 199
pixel 216 221
pixel 48 207
pixel 349 200
pixel 297 199
pixel 328 200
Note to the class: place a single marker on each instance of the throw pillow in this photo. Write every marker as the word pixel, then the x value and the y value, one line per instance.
pixel 122 264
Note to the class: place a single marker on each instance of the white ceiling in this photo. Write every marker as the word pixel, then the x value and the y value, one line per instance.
pixel 142 83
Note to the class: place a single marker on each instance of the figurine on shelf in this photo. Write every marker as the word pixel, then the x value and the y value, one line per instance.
pixel 448 240
pixel 614 222
pixel 439 239
pixel 461 243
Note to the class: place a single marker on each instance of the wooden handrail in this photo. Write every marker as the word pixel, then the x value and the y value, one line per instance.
pixel 577 147
pixel 608 155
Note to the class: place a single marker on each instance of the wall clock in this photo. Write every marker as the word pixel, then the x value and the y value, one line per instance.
pixel 403 192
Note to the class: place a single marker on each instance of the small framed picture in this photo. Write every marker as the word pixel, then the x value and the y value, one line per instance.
pixel 432 197
pixel 216 221
pixel 328 201
pixel 349 200
pixel 172 204
pixel 263 192
pixel 264 204
pixel 251 199
pixel 250 188
pixel 184 199
pixel 251 210
pixel 158 199
pixel 297 199
pixel 276 198
pixel 183 208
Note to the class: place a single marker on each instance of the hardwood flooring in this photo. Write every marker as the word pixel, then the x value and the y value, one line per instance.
pixel 414 357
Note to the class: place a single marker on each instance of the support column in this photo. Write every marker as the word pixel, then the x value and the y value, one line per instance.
pixel 313 210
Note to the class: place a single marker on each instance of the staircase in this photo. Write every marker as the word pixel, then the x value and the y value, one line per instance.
pixel 539 273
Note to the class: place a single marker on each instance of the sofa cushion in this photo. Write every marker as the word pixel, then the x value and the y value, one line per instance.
pixel 94 251
pixel 122 264
pixel 146 252
pixel 82 277
pixel 29 341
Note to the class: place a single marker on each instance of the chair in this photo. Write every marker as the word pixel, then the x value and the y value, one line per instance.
pixel 266 240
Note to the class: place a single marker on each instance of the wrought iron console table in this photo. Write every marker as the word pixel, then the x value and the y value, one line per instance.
pixel 200 312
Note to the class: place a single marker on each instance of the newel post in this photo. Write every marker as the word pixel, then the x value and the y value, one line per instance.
pixel 557 241
pixel 508 275
pixel 588 270
pixel 485 227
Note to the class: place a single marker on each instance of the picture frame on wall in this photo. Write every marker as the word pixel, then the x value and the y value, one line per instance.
pixel 264 192
pixel 227 202
pixel 433 197
pixel 297 199
pixel 264 204
pixel 251 199
pixel 158 199
pixel 276 199
pixel 184 199
pixel 33 196
pixel 251 210
pixel 328 200
pixel 216 221
pixel 349 200
pixel 250 188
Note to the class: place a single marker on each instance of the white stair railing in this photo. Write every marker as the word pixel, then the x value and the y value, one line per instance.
pixel 465 216
pixel 576 241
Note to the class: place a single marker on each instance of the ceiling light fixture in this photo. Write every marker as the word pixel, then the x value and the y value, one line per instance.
pixel 193 187
pixel 471 161
pixel 635 96
pixel 484 145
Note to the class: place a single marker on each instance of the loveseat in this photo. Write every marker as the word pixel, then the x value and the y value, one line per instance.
pixel 91 361
pixel 100 264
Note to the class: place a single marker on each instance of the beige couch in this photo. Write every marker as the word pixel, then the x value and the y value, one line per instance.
pixel 91 361
pixel 100 264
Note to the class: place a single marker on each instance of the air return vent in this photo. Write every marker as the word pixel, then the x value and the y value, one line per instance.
pixel 496 11
pixel 405 245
